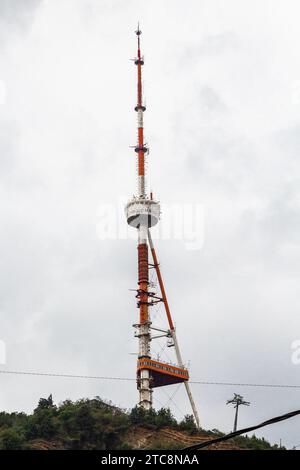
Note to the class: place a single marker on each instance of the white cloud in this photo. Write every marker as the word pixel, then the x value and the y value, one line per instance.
pixel 223 131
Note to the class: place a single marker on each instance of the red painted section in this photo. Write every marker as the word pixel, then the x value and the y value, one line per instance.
pixel 143 279
pixel 141 157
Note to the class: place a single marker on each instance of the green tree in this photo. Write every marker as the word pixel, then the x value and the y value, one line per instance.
pixel 164 417
pixel 41 425
pixel 188 424
pixel 11 439
pixel 141 416
pixel 45 403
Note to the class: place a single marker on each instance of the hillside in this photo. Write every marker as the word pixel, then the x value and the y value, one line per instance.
pixel 97 424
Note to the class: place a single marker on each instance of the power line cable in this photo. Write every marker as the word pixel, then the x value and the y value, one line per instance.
pixel 231 435
pixel 295 447
pixel 199 382
pixel 101 377
pixel 54 374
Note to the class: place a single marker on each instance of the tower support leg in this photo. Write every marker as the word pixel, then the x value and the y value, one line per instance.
pixel 186 384
pixel 172 328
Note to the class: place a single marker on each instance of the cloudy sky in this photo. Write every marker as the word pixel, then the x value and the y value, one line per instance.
pixel 222 86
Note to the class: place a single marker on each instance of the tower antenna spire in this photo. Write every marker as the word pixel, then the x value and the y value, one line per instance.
pixel 138 31
pixel 142 213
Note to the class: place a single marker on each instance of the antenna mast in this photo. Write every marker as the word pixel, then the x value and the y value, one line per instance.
pixel 142 213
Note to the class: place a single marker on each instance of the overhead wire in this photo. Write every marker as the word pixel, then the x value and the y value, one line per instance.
pixel 102 377
pixel 231 435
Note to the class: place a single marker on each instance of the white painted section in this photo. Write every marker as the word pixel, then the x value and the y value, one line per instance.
pixel 140 117
pixel 141 185
pixel 138 211
pixel 145 391
pixel 142 234
pixel 144 350
pixel 144 338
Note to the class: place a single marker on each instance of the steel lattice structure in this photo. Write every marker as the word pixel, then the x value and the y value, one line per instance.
pixel 143 212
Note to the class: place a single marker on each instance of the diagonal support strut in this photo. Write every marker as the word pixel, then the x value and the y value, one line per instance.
pixel 172 328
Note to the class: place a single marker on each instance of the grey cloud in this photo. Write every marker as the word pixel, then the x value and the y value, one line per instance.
pixel 65 299
pixel 210 46
pixel 16 16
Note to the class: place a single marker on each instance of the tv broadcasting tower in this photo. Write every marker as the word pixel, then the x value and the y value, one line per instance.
pixel 143 212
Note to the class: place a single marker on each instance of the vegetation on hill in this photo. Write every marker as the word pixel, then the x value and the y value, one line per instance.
pixel 96 424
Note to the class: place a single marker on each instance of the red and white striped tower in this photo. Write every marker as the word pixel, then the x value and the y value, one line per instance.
pixel 143 212
pixel 140 108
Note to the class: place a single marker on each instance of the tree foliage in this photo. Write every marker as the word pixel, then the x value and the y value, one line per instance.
pixel 188 424
pixel 158 419
pixel 94 424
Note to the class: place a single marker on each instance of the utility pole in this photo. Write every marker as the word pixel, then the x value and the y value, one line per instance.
pixel 237 400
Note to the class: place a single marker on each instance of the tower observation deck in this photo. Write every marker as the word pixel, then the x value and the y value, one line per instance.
pixel 142 213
